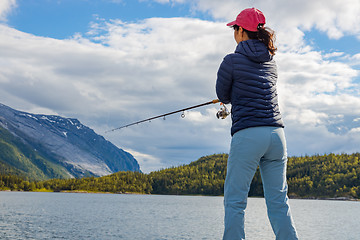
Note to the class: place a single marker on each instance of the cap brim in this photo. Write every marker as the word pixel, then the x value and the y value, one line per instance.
pixel 231 23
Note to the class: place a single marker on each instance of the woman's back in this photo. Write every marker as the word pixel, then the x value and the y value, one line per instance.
pixel 252 86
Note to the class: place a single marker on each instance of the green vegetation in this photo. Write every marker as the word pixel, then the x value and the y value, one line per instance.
pixel 329 175
pixel 18 158
pixel 318 176
pixel 205 176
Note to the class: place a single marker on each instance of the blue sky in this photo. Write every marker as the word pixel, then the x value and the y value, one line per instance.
pixel 61 19
pixel 321 42
pixel 111 62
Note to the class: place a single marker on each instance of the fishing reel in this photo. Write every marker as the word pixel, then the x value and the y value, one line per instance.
pixel 223 112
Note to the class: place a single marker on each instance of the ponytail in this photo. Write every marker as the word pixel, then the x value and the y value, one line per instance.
pixel 265 35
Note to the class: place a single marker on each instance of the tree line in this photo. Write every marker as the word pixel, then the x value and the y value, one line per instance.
pixel 328 176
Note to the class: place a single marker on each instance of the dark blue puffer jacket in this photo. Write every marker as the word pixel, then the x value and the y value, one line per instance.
pixel 247 80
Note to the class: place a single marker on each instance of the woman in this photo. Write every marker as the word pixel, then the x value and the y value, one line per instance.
pixel 247 80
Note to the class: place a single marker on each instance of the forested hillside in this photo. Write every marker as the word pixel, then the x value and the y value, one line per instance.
pixel 18 158
pixel 328 176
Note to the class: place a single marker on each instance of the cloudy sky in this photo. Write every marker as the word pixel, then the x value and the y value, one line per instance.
pixel 112 62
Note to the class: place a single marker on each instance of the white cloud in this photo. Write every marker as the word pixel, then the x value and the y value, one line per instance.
pixel 333 54
pixel 147 162
pixel 291 19
pixel 355 130
pixel 336 18
pixel 353 60
pixel 5 7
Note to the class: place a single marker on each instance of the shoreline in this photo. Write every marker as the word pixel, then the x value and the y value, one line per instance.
pixel 327 198
pixel 135 193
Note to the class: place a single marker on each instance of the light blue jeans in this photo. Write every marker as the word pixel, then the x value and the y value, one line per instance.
pixel 250 148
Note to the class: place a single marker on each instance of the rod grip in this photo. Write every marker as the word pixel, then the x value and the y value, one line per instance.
pixel 215 101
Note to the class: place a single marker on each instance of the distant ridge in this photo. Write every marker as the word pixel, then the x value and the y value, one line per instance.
pixel 49 146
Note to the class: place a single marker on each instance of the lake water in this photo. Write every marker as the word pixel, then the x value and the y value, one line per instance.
pixel 31 215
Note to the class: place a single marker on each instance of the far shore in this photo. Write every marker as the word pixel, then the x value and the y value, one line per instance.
pixel 135 193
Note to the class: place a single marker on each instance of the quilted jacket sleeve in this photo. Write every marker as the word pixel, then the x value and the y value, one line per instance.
pixel 224 80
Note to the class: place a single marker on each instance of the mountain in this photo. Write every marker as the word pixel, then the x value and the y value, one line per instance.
pixel 50 146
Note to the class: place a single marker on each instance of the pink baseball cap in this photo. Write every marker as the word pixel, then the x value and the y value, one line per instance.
pixel 249 19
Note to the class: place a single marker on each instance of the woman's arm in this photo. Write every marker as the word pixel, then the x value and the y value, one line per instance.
pixel 224 80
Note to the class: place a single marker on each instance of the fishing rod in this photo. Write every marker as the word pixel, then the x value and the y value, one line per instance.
pixel 223 113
